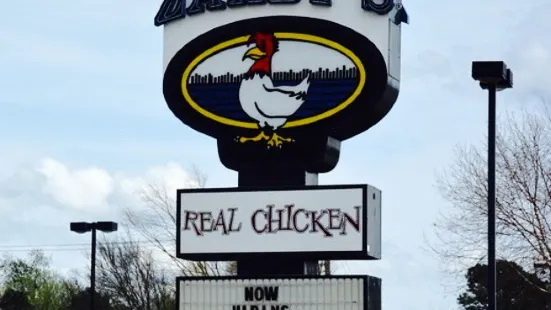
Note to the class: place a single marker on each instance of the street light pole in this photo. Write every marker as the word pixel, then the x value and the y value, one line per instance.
pixel 544 265
pixel 493 76
pixel 492 276
pixel 84 227
pixel 93 270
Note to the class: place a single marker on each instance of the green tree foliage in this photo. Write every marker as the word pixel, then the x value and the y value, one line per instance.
pixel 517 289
pixel 32 278
pixel 30 284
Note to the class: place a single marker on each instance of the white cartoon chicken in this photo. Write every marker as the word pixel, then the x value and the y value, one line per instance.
pixel 269 105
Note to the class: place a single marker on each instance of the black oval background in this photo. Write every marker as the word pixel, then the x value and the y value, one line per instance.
pixel 374 102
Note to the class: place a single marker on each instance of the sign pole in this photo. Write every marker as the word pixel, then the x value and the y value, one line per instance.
pixel 271 265
pixel 280 90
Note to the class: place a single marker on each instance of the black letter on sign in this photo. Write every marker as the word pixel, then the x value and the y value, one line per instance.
pixel 169 11
pixel 256 1
pixel 283 1
pixel 321 2
pixel 381 9
pixel 271 292
pixel 249 295
pixel 198 6
pixel 235 3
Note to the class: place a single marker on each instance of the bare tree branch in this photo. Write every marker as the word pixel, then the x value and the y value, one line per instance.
pixel 127 272
pixel 523 197
pixel 157 224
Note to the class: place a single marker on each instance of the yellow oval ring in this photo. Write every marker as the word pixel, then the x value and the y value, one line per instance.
pixel 282 36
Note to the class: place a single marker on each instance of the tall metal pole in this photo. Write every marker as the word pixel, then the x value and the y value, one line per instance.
pixel 93 270
pixel 549 288
pixel 544 266
pixel 492 277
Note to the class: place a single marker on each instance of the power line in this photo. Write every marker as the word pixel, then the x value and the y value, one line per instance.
pixel 151 246
pixel 44 250
pixel 75 246
pixel 80 244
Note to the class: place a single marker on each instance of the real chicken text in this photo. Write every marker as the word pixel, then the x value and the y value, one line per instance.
pixel 271 219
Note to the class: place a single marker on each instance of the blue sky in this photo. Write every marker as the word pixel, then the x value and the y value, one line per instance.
pixel 83 121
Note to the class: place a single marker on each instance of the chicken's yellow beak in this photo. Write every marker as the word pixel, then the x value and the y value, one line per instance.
pixel 254 53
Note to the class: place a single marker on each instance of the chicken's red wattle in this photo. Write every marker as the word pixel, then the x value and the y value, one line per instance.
pixel 262 66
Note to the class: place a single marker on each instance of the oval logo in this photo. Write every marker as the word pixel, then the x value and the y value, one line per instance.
pixel 254 78
pixel 220 82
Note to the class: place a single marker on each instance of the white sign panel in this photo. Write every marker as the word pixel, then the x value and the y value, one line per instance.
pixel 334 220
pixel 323 293
pixel 379 28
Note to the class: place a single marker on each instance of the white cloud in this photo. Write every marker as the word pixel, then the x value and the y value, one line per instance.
pixel 528 53
pixel 172 175
pixel 89 189
pixel 50 219
pixel 168 177
pixel 79 188
pixel 38 200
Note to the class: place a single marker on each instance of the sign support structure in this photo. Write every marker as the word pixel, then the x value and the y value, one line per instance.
pixel 274 265
pixel 280 84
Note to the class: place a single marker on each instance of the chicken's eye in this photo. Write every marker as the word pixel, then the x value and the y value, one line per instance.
pixel 262 46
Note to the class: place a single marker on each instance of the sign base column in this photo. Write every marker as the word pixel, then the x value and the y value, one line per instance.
pixel 271 265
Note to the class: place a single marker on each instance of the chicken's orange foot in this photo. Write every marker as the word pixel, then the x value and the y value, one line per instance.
pixel 261 136
pixel 277 140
